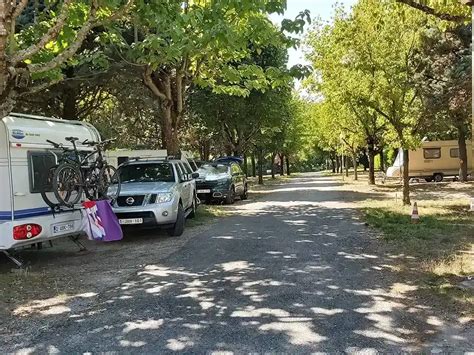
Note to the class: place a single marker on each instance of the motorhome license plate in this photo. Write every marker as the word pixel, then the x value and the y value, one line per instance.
pixel 63 227
pixel 204 191
pixel 131 221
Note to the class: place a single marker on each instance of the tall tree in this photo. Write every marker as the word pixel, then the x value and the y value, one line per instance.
pixel 204 43
pixel 31 56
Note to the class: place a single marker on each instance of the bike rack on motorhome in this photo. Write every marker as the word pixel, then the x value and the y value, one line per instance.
pixel 25 160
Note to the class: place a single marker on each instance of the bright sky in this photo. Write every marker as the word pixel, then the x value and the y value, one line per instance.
pixel 318 8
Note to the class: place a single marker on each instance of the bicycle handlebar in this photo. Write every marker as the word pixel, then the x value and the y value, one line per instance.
pixel 54 144
pixel 102 143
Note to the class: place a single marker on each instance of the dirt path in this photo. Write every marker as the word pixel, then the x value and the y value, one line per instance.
pixel 294 270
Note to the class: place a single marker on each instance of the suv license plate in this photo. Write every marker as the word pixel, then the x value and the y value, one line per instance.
pixel 204 191
pixel 131 221
pixel 63 227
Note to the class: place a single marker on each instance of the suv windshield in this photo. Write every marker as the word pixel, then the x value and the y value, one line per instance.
pixel 208 169
pixel 147 173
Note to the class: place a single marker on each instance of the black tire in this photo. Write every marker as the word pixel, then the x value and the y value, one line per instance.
pixel 52 203
pixel 109 176
pixel 438 177
pixel 230 198
pixel 67 184
pixel 178 227
pixel 92 184
pixel 192 214
pixel 245 195
pixel 429 179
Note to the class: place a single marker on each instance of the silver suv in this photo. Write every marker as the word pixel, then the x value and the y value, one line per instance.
pixel 157 192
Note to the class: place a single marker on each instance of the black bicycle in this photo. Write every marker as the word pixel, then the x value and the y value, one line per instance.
pixel 77 173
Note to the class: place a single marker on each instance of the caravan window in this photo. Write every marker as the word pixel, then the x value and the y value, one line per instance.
pixel 40 164
pixel 432 153
pixel 454 152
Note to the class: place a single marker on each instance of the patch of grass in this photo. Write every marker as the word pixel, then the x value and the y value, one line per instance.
pixel 205 214
pixel 442 238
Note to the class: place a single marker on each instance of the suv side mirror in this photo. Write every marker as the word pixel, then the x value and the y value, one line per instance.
pixel 194 175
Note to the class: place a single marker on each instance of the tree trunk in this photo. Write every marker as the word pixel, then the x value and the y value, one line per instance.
pixel 282 166
pixel 273 165
pixel 371 155
pixel 260 166
pixel 69 104
pixel 246 165
pixel 382 162
pixel 170 142
pixel 346 165
pixel 333 164
pixel 354 163
pixel 254 170
pixel 69 97
pixel 337 164
pixel 462 153
pixel 406 178
pixel 288 172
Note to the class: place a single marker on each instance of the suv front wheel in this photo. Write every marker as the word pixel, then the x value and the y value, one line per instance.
pixel 178 227
pixel 230 199
pixel 192 214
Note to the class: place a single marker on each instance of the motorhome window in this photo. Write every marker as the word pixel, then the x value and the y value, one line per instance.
pixel 454 152
pixel 40 164
pixel 432 153
pixel 121 160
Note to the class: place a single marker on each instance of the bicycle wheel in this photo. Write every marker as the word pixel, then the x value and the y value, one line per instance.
pixel 92 183
pixel 67 184
pixel 109 183
pixel 47 193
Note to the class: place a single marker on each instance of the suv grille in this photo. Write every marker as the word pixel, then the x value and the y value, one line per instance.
pixel 126 201
pixel 205 185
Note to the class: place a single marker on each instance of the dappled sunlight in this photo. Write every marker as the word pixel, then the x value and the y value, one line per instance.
pixel 299 333
pixel 142 325
pixel 283 276
pixel 51 306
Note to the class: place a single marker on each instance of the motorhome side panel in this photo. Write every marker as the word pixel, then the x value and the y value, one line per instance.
pixel 119 156
pixel 5 178
pixel 437 157
pixel 29 154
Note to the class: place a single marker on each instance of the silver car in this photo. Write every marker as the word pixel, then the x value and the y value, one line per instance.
pixel 156 192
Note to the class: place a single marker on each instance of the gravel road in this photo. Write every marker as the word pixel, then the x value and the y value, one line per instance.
pixel 293 271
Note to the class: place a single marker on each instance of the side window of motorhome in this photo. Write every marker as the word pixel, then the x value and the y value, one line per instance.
pixel 432 153
pixel 454 152
pixel 40 164
pixel 121 160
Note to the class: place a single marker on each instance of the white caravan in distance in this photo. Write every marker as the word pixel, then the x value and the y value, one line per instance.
pixel 433 161
pixel 25 160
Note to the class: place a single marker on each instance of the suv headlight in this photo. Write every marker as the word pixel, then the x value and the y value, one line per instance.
pixel 164 197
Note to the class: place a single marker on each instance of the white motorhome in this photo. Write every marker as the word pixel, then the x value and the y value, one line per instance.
pixel 432 161
pixel 25 160
pixel 119 156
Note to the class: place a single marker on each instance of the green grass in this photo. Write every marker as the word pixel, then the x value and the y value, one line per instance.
pixel 442 239
pixel 442 243
pixel 205 214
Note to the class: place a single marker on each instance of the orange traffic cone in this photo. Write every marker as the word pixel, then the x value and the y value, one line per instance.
pixel 415 218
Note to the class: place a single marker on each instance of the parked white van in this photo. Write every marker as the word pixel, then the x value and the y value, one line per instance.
pixel 433 161
pixel 25 161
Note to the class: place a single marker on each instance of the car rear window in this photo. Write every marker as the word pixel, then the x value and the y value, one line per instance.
pixel 147 173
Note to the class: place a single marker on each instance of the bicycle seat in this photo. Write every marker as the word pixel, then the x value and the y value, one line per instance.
pixel 72 139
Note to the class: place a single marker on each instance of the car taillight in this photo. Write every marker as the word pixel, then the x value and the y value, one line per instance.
pixel 26 231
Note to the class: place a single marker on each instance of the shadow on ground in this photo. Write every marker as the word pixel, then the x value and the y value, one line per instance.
pixel 293 271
